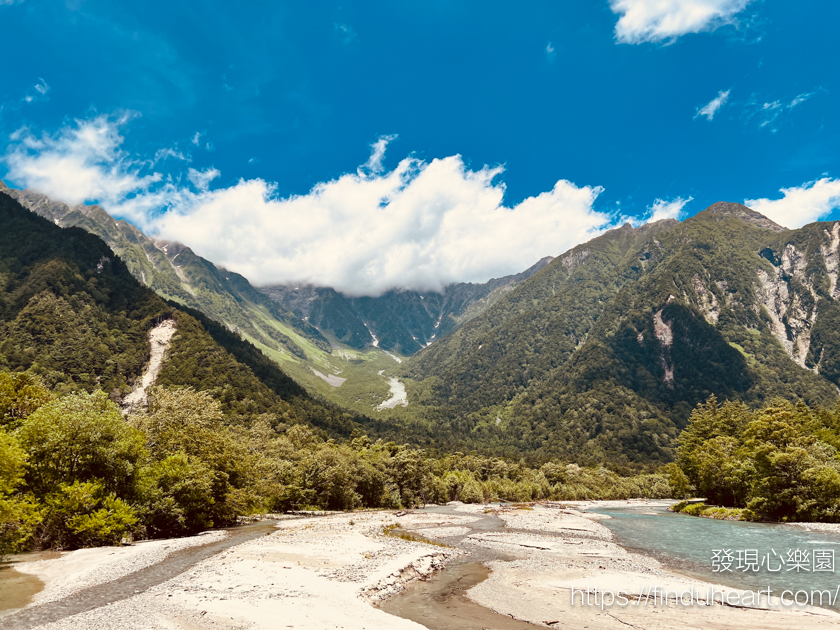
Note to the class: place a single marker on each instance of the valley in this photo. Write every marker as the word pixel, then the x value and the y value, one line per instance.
pixel 655 315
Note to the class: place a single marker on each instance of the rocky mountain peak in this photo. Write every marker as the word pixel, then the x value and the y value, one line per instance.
pixel 740 211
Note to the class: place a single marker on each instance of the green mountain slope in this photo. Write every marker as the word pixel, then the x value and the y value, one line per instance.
pixel 603 353
pixel 175 272
pixel 71 311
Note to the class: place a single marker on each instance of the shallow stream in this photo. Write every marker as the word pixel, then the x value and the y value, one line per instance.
pixel 441 602
pixel 687 544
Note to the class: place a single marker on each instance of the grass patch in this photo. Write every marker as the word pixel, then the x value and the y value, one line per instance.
pixel 714 511
pixel 395 532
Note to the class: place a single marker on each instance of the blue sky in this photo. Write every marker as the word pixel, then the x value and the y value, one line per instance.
pixel 231 125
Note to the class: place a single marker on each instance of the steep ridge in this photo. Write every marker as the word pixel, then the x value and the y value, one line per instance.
pixel 176 273
pixel 539 325
pixel 604 352
pixel 401 321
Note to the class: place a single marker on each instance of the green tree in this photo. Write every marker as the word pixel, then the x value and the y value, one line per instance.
pixel 82 514
pixel 12 510
pixel 177 494
pixel 81 437
pixel 183 422
pixel 21 393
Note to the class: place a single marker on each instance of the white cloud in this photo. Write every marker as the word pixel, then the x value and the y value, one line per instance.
pixel 667 209
pixel 164 154
pixel 421 225
pixel 41 88
pixel 800 99
pixel 711 108
pixel 801 204
pixel 665 20
pixel 348 33
pixel 770 115
pixel 201 179
pixel 374 163
pixel 78 164
pixel 196 139
pixel 550 52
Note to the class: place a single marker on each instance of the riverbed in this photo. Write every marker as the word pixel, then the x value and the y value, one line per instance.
pixel 454 567
pixel 556 553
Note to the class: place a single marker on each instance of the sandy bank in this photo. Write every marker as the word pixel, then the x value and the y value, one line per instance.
pixel 330 571
pixel 77 570
pixel 310 573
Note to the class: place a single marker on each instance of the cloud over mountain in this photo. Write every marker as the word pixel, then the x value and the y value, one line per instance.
pixel 421 225
pixel 800 204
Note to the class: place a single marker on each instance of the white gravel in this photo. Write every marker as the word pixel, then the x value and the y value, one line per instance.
pixel 319 573
pixel 78 570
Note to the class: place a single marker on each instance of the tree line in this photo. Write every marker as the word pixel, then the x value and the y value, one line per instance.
pixel 74 471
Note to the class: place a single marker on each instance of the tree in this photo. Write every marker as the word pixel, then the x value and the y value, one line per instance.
pixel 189 426
pixel 81 437
pixel 21 393
pixel 12 511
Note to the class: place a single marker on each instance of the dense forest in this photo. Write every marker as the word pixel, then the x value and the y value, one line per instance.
pixel 776 463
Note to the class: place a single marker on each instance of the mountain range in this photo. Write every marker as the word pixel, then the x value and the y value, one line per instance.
pixel 402 321
pixel 597 355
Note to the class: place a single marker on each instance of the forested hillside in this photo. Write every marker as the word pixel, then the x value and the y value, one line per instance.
pixel 73 314
pixel 176 273
pixel 603 354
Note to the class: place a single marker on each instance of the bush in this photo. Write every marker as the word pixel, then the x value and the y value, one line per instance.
pixel 81 514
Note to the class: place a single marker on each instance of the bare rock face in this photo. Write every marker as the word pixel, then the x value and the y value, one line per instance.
pixel 160 337
pixel 789 295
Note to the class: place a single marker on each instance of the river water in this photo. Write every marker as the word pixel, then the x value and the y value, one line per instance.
pixel 18 589
pixel 688 544
pixel 685 544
